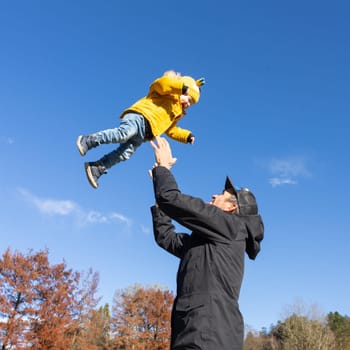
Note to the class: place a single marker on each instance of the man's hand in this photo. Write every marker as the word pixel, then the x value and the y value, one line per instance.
pixel 162 153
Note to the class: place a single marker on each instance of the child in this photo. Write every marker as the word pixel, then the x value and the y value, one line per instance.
pixel 157 113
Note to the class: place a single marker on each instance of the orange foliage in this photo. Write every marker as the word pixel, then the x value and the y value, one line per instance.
pixel 141 318
pixel 38 302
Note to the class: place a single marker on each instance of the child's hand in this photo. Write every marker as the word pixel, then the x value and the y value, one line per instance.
pixel 185 101
pixel 191 140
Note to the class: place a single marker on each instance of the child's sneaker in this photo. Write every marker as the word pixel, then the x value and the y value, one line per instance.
pixel 93 171
pixel 85 143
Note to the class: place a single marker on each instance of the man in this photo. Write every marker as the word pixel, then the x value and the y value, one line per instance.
pixel 205 313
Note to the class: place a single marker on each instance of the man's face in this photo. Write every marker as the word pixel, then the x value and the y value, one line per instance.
pixel 223 201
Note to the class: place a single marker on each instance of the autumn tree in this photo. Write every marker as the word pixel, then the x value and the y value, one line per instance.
pixel 251 342
pixel 340 326
pixel 255 341
pixel 87 302
pixel 304 329
pixel 141 318
pixel 38 302
pixel 299 332
pixel 98 333
pixel 260 341
pixel 94 332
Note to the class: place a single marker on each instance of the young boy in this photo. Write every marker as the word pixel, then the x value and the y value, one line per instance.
pixel 165 104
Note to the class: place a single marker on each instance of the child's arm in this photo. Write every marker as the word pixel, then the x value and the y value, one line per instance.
pixel 182 135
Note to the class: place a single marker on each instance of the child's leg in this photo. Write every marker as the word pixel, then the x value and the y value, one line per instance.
pixel 94 170
pixel 130 135
pixel 131 124
pixel 122 153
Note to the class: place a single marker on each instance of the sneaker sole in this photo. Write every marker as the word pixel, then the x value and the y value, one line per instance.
pixel 81 150
pixel 89 176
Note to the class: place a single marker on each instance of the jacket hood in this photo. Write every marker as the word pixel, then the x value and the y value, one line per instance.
pixel 255 228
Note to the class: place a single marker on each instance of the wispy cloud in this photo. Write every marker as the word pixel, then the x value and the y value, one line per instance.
pixel 276 181
pixel 7 140
pixel 145 230
pixel 287 171
pixel 57 207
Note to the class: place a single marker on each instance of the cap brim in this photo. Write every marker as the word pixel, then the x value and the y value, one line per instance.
pixel 229 186
pixel 245 199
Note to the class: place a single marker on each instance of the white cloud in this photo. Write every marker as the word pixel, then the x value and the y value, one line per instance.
pixel 121 218
pixel 95 217
pixel 50 206
pixel 57 207
pixel 7 140
pixel 275 181
pixel 287 171
pixel 289 167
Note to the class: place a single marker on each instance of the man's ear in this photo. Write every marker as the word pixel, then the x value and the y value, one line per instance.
pixel 231 207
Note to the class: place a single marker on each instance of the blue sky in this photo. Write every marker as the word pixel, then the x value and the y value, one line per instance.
pixel 274 115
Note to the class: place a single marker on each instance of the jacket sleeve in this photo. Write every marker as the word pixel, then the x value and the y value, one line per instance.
pixel 167 86
pixel 206 220
pixel 165 235
pixel 178 134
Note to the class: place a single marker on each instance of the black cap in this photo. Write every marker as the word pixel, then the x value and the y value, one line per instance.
pixel 246 199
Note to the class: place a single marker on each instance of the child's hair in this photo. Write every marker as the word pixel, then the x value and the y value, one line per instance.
pixel 172 74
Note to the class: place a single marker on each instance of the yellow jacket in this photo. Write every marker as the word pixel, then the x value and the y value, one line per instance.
pixel 162 108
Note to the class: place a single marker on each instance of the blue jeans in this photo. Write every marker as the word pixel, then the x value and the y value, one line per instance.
pixel 130 135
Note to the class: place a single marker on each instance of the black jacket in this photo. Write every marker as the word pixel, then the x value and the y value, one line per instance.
pixel 205 313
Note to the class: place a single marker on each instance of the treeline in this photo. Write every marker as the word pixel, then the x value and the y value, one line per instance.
pixel 299 332
pixel 46 307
